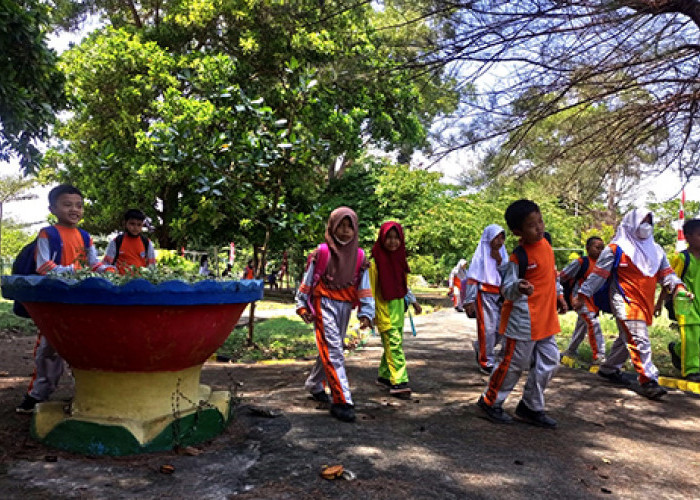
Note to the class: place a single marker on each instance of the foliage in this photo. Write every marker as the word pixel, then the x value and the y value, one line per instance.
pixel 31 87
pixel 577 53
pixel 14 237
pixel 665 214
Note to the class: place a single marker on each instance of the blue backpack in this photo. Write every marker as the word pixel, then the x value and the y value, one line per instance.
pixel 25 262
pixel 602 297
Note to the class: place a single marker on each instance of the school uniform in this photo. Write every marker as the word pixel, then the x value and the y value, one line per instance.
pixel 332 314
pixel 587 324
pixel 688 349
pixel 133 252
pixel 633 308
pixel 482 288
pixel 48 365
pixel 529 324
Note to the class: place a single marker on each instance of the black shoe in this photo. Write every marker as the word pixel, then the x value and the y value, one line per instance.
pixel 383 382
pixel 343 411
pixel 459 309
pixel 675 358
pixel 538 418
pixel 401 390
pixel 496 415
pixel 27 405
pixel 321 397
pixel 693 377
pixel 652 390
pixel 486 370
pixel 615 377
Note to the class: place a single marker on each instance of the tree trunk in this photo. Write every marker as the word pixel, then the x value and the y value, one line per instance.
pixel 251 325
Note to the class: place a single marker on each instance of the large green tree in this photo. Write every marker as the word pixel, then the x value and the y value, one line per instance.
pixel 227 119
pixel 31 87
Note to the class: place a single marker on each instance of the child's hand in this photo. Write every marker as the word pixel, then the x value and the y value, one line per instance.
pixel 577 302
pixel 470 309
pixel 306 316
pixel 496 255
pixel 689 295
pixel 561 305
pixel 417 308
pixel 658 308
pixel 526 288
pixel 365 323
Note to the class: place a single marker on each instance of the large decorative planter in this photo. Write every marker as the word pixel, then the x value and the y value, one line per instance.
pixel 136 352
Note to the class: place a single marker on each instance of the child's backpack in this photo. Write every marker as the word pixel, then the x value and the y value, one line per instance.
pixel 25 261
pixel 118 244
pixel 601 298
pixel 668 303
pixel 322 255
pixel 569 284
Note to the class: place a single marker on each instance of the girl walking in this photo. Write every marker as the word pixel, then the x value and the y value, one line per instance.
pixel 335 282
pixel 482 297
pixel 388 274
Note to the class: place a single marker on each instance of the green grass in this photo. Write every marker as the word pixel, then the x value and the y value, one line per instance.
pixel 275 338
pixel 661 332
pixel 10 323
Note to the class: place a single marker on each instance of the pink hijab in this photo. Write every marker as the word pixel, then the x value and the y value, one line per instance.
pixel 340 272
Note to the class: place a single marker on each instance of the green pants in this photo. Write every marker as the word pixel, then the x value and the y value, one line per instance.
pixel 393 364
pixel 688 349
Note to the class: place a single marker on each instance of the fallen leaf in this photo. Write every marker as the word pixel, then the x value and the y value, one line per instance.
pixel 167 469
pixel 191 451
pixel 606 460
pixel 4 373
pixel 332 471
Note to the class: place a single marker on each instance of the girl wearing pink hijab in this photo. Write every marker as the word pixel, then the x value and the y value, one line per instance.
pixel 335 282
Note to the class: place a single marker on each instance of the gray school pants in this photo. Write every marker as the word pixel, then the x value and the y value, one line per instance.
pixel 588 325
pixel 488 317
pixel 540 357
pixel 48 368
pixel 632 341
pixel 332 318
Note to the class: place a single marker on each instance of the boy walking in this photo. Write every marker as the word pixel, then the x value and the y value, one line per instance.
pixel 529 321
pixel 131 249
pixel 685 354
pixel 587 323
pixel 76 250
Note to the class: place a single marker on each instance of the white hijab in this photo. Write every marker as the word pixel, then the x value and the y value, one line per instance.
pixel 645 254
pixel 484 268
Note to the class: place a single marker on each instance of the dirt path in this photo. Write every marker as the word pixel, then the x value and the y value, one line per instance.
pixel 611 443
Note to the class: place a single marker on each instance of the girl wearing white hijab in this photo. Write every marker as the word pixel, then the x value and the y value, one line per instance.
pixel 482 294
pixel 641 266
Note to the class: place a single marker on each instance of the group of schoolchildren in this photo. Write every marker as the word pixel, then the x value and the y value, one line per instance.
pixel 515 300
pixel 63 248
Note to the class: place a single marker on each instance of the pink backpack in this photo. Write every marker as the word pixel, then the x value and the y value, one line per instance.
pixel 322 255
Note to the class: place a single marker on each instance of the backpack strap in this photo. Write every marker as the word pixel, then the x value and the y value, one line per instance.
pixel 686 262
pixel 585 262
pixel 521 255
pixel 145 241
pixel 86 238
pixel 320 263
pixel 613 272
pixel 55 244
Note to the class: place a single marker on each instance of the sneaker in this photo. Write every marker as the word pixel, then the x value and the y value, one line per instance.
pixel 615 377
pixel 652 390
pixel 538 418
pixel 383 382
pixel 343 411
pixel 401 390
pixel 567 354
pixel 496 415
pixel 600 360
pixel 27 405
pixel 321 397
pixel 693 377
pixel 459 309
pixel 675 358
pixel 486 370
